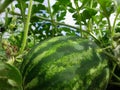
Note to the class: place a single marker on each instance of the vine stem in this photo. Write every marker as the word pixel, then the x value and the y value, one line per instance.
pixel 50 12
pixel 21 3
pixel 117 77
pixel 115 83
pixel 109 25
pixel 52 18
pixel 79 16
pixel 90 26
pixel 113 27
pixel 26 28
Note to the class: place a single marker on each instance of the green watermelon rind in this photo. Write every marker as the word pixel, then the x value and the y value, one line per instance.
pixel 65 63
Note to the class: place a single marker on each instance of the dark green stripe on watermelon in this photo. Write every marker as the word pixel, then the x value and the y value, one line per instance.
pixel 65 63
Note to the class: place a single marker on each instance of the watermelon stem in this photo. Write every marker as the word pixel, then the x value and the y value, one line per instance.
pixel 26 28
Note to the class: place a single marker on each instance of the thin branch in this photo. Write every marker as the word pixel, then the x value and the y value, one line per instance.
pixel 22 9
pixel 109 24
pixel 117 77
pixel 52 19
pixel 115 83
pixel 113 27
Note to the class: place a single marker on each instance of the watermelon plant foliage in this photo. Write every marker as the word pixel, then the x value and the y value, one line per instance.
pixel 84 56
pixel 10 77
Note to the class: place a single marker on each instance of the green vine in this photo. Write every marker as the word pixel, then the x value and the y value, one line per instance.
pixel 90 20
pixel 22 9
pixel 79 16
pixel 26 28
pixel 52 19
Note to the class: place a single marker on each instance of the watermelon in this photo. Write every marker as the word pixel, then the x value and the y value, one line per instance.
pixel 65 63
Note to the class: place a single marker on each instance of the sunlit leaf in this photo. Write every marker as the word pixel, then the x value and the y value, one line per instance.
pixel 107 7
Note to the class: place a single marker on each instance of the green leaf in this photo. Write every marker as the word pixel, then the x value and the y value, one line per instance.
pixel 84 2
pixel 64 2
pixel 41 1
pixel 61 5
pixel 4 5
pixel 8 20
pixel 71 10
pixel 107 7
pixel 118 5
pixel 89 12
pixel 10 77
pixel 39 8
pixel 61 15
pixel 56 9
